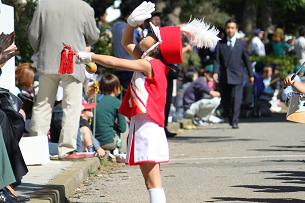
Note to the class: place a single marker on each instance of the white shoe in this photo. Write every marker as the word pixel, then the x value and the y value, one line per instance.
pixel 215 119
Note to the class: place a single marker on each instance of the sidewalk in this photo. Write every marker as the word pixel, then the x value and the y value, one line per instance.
pixel 56 181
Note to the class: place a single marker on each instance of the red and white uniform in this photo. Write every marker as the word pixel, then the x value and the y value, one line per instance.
pixel 144 103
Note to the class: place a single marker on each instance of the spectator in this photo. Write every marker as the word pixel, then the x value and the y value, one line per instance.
pixel 13 167
pixel 118 50
pixel 230 62
pixel 257 45
pixel 300 46
pixel 90 144
pixel 278 44
pixel 156 19
pixel 55 22
pixel 200 100
pixel 24 79
pixel 109 122
pixel 264 90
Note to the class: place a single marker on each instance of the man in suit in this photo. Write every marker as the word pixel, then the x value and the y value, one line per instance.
pixel 55 22
pixel 230 63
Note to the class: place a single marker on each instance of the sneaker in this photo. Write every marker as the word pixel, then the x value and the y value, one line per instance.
pixel 72 156
pixel 116 152
pixel 90 148
pixel 196 121
pixel 120 158
pixel 88 154
pixel 215 119
pixel 199 122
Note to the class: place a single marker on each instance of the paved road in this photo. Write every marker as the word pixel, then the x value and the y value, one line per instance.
pixel 260 162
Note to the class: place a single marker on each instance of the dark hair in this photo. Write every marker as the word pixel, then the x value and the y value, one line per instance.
pixel 189 74
pixel 156 13
pixel 302 31
pixel 231 20
pixel 109 83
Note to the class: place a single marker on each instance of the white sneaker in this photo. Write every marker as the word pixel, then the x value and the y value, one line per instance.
pixel 215 119
pixel 115 152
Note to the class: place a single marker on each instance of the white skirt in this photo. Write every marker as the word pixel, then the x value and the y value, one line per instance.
pixel 146 142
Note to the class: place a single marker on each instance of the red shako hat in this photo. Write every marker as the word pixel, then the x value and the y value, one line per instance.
pixel 199 34
pixel 171 46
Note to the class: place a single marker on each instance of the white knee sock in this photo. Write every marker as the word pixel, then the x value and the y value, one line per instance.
pixel 157 195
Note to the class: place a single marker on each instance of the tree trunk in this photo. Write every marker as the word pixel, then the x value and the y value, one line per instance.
pixel 249 16
pixel 266 14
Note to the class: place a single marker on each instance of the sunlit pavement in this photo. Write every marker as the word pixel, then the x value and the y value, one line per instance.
pixel 260 162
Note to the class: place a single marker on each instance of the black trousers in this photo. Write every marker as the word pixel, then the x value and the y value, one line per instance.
pixel 169 97
pixel 11 141
pixel 231 100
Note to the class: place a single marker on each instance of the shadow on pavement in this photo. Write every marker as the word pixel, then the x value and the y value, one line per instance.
pixel 269 200
pixel 51 193
pixel 207 139
pixel 273 188
pixel 285 161
pixel 296 148
pixel 276 117
pixel 286 177
pixel 294 177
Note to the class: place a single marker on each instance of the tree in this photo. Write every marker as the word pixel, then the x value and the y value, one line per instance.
pixel 181 11
pixel 249 16
pixel 23 16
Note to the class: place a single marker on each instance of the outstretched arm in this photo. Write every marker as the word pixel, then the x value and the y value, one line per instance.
pixel 140 65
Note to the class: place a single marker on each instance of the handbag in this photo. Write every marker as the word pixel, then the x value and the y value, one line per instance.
pixel 10 105
pixel 9 100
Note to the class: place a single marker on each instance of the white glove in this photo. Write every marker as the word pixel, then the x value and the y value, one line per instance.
pixel 84 57
pixel 141 13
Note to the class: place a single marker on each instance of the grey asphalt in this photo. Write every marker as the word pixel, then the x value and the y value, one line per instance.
pixel 263 161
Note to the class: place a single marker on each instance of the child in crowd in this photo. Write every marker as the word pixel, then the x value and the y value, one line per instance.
pixel 24 79
pixel 90 144
pixel 109 122
pixel 265 85
pixel 144 101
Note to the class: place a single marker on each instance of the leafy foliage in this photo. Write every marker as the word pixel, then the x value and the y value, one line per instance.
pixel 104 45
pixel 286 64
pixel 202 8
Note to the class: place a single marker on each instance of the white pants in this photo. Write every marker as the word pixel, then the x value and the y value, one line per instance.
pixel 203 108
pixel 71 104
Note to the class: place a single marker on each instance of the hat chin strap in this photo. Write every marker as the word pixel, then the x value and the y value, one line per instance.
pixel 149 50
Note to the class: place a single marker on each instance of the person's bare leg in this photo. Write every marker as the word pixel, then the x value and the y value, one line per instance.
pixel 86 135
pixel 152 177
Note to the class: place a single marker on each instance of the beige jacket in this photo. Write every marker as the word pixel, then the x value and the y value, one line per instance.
pixel 58 21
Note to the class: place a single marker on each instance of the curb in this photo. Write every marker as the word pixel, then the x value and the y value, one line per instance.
pixel 64 185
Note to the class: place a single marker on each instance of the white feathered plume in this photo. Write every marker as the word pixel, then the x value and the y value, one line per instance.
pixel 200 33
